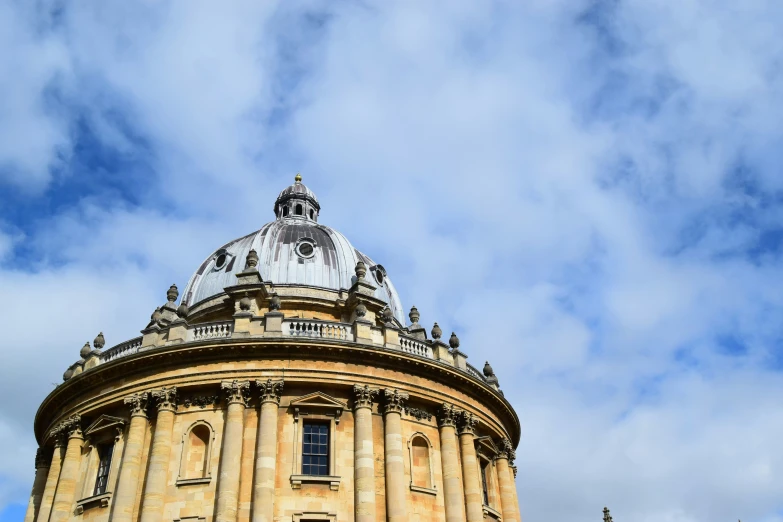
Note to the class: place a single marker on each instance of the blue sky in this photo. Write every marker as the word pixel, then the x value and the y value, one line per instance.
pixel 588 192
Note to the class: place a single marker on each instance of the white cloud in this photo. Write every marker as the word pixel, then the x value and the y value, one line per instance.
pixel 472 148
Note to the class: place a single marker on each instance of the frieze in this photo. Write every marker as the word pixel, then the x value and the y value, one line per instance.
pixel 418 414
pixel 202 401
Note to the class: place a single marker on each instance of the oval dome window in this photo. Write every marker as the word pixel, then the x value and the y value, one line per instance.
pixel 305 249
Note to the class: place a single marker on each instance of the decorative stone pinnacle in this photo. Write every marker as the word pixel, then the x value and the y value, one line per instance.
pixel 447 415
pixel 137 402
pixel 454 341
pixel 183 311
pixel 99 341
pixel 172 293
pixel 488 372
pixel 155 317
pixel 387 315
pixel 361 270
pixel 413 315
pixel 274 303
pixel 236 391
pixel 85 351
pixel 298 178
pixel 67 374
pixel 361 310
pixel 251 261
pixel 244 303
pixel 270 390
pixel 436 331
pixel 394 401
pixel 607 516
pixel 466 422
pixel 166 398
pixel 364 396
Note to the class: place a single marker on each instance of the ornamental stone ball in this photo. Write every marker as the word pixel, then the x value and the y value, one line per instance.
pixel 387 315
pixel 156 316
pixel 413 315
pixel 454 341
pixel 488 372
pixel 361 270
pixel 436 331
pixel 244 303
pixel 361 310
pixel 99 341
pixel 274 303
pixel 68 374
pixel 172 293
pixel 251 261
pixel 85 351
pixel 182 311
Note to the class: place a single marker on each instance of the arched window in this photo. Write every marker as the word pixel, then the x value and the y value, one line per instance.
pixel 420 463
pixel 285 211
pixel 311 213
pixel 196 453
pixel 298 209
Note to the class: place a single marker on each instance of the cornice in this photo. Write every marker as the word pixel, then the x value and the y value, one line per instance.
pixel 159 359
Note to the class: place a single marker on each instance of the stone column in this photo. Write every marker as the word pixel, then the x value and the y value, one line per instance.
pixel 396 505
pixel 130 467
pixel 507 501
pixel 513 476
pixel 231 454
pixel 41 471
pixel 454 498
pixel 266 451
pixel 470 470
pixel 52 477
pixel 363 456
pixel 62 508
pixel 152 499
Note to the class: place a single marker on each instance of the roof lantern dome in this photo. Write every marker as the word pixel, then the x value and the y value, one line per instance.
pixel 297 201
pixel 293 250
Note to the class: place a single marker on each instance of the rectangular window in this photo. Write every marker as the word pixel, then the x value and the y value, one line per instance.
pixel 484 466
pixel 104 454
pixel 315 448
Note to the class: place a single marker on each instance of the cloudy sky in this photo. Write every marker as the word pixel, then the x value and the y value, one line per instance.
pixel 588 192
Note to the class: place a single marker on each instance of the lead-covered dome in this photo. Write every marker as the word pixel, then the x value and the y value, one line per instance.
pixel 294 249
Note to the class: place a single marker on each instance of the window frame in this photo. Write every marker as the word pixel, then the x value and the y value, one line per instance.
pixel 433 490
pixel 103 460
pixel 328 446
pixel 206 477
pixel 318 407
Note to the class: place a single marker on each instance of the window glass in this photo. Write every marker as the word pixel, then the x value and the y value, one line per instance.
pixel 104 454
pixel 315 448
pixel 484 466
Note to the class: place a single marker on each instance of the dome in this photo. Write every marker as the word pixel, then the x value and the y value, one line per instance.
pixel 294 249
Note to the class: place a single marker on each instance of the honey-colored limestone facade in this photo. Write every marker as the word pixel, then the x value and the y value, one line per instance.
pixel 285 386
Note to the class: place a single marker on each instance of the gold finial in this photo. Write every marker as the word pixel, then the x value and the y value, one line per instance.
pixel 298 178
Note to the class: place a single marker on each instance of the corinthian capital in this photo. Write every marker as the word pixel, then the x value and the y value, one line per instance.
pixel 236 391
pixel 137 403
pixel 364 396
pixel 447 415
pixel 166 398
pixel 394 401
pixel 270 390
pixel 43 458
pixel 506 450
pixel 466 422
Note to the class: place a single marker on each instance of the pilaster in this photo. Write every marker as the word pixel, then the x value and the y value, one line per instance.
pixel 130 467
pixel 364 467
pixel 466 422
pixel 157 470
pixel 396 495
pixel 454 498
pixel 69 474
pixel 266 450
pixel 236 392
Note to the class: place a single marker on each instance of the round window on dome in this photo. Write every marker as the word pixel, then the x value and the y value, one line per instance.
pixel 220 259
pixel 305 249
pixel 379 272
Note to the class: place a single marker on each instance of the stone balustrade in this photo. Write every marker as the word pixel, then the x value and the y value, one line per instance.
pixel 316 329
pixel 202 332
pixel 293 327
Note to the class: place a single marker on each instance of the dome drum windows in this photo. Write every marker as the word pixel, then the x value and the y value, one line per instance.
pixel 378 273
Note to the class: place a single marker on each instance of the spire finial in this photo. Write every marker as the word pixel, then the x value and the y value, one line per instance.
pixel 298 178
